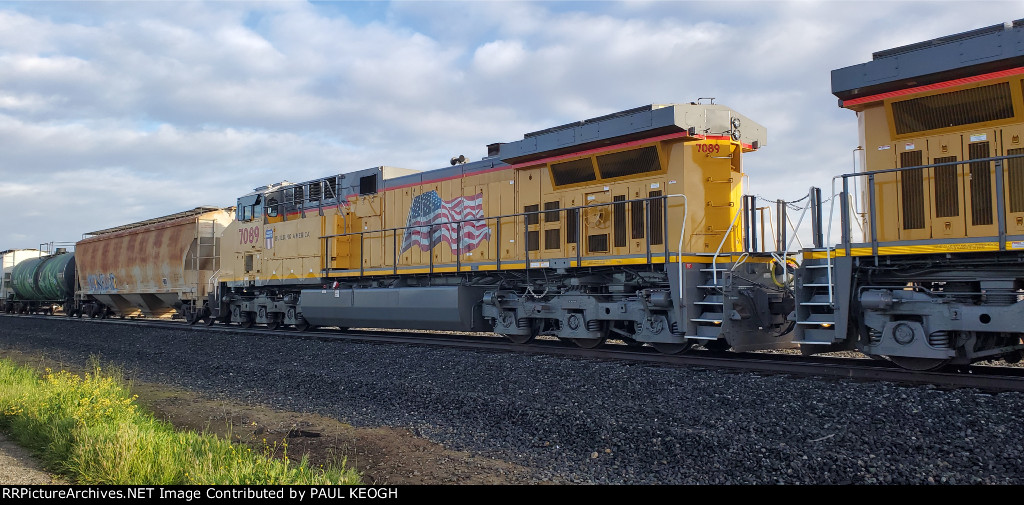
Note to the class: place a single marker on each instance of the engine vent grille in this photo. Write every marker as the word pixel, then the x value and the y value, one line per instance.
pixel 912 190
pixel 619 220
pixel 632 162
pixel 981 185
pixel 947 188
pixel 572 172
pixel 957 108
pixel 1015 180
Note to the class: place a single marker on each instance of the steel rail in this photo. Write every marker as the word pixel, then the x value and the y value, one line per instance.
pixel 985 378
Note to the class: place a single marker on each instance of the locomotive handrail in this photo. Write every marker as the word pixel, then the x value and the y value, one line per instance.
pixel 714 259
pixel 679 258
pixel 579 242
pixel 999 204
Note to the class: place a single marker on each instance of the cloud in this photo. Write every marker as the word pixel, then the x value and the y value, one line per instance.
pixel 138 109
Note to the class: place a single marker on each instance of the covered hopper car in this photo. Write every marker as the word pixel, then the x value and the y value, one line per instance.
pixel 152 268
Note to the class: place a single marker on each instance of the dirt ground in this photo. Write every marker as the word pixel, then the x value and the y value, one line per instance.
pixel 383 455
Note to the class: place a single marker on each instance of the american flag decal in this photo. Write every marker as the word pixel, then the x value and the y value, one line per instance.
pixel 429 209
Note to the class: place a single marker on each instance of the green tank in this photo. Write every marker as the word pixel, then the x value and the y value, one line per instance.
pixel 50 278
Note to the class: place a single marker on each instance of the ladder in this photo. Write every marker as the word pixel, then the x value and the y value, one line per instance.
pixel 815 298
pixel 709 306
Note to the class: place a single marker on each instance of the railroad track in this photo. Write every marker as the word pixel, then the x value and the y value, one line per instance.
pixel 986 378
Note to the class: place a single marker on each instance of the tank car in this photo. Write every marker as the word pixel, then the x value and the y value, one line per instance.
pixel 156 268
pixel 8 259
pixel 40 282
pixel 627 226
pixel 936 275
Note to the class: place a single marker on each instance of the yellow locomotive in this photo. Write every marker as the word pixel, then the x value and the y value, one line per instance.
pixel 624 226
pixel 936 276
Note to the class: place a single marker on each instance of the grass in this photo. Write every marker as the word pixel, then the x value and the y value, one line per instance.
pixel 91 430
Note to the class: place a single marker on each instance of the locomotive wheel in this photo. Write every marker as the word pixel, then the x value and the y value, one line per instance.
pixel 918 364
pixel 667 348
pixel 588 343
pixel 208 320
pixel 303 326
pixel 274 325
pixel 520 339
pixel 247 320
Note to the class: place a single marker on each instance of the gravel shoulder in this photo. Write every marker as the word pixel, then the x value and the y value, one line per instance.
pixel 519 418
pixel 19 467
pixel 384 455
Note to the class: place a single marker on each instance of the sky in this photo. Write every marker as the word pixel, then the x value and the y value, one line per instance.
pixel 116 112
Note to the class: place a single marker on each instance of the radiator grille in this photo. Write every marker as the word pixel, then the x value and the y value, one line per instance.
pixel 638 219
pixel 597 243
pixel 551 213
pixel 572 217
pixel 981 185
pixel 619 220
pixel 532 218
pixel 533 240
pixel 912 190
pixel 657 219
pixel 552 239
pixel 572 172
pixel 947 188
pixel 966 106
pixel 1015 180
pixel 632 162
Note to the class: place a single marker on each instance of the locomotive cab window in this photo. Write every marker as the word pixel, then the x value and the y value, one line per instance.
pixel 249 207
pixel 272 205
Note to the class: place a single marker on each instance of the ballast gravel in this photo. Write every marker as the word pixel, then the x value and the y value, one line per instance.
pixel 582 421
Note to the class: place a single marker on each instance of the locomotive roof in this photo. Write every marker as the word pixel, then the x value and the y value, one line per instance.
pixel 701 119
pixel 985 50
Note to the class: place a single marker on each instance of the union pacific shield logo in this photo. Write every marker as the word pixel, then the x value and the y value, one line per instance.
pixel 432 221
